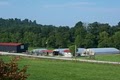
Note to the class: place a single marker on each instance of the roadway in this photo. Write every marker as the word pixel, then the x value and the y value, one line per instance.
pixel 59 58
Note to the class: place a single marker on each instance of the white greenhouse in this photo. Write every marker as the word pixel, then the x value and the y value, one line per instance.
pixel 81 51
pixel 94 51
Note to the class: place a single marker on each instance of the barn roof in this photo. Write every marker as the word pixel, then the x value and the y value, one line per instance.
pixel 67 50
pixel 10 44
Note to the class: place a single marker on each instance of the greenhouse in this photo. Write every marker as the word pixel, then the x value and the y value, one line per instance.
pixel 93 51
pixel 81 51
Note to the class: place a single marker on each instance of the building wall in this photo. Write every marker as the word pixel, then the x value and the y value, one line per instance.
pixel 22 48
pixel 17 49
pixel 8 48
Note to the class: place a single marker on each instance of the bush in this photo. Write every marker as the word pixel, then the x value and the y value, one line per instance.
pixel 72 50
pixel 10 71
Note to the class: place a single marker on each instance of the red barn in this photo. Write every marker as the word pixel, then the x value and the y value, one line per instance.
pixel 13 47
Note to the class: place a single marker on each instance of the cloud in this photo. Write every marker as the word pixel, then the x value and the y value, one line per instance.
pixel 101 9
pixel 69 5
pixel 4 3
pixel 83 7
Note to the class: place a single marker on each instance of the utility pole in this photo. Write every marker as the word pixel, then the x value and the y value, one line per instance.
pixel 75 50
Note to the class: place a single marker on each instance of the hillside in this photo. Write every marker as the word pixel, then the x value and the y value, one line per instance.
pixel 37 35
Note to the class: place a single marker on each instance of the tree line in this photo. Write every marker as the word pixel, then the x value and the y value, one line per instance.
pixel 83 35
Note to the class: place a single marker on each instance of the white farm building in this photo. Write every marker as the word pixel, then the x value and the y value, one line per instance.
pixel 94 51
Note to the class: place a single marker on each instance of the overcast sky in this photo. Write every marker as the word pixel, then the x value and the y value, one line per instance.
pixel 62 12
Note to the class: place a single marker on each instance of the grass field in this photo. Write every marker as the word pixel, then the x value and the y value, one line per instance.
pixel 112 57
pixel 106 57
pixel 45 69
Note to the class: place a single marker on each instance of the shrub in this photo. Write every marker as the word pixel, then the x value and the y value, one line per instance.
pixel 10 71
pixel 73 50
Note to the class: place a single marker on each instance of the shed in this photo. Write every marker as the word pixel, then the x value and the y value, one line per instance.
pixel 13 47
pixel 62 51
pixel 93 51
pixel 59 51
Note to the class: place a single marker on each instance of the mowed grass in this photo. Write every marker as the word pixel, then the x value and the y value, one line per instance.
pixel 110 57
pixel 46 69
pixel 105 57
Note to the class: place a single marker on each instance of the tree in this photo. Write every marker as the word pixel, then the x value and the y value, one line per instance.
pixel 116 39
pixel 93 28
pixel 80 32
pixel 118 24
pixel 5 37
pixel 15 37
pixel 10 71
pixel 104 27
pixel 72 49
pixel 79 24
pixel 89 41
pixel 44 42
pixel 27 31
pixel 59 40
pixel 80 29
pixel 79 41
pixel 103 39
pixel 51 41
pixel 29 38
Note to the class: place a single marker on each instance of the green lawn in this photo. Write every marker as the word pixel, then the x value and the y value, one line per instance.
pixel 105 57
pixel 112 57
pixel 45 69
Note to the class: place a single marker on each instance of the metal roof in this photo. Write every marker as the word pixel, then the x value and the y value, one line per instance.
pixel 62 50
pixel 40 49
pixel 104 50
pixel 10 44
pixel 80 50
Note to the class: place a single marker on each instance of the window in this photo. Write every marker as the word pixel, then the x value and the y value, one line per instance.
pixel 22 46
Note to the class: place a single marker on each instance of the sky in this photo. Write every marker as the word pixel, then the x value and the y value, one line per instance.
pixel 62 12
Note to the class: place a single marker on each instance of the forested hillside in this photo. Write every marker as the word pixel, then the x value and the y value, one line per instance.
pixel 36 35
